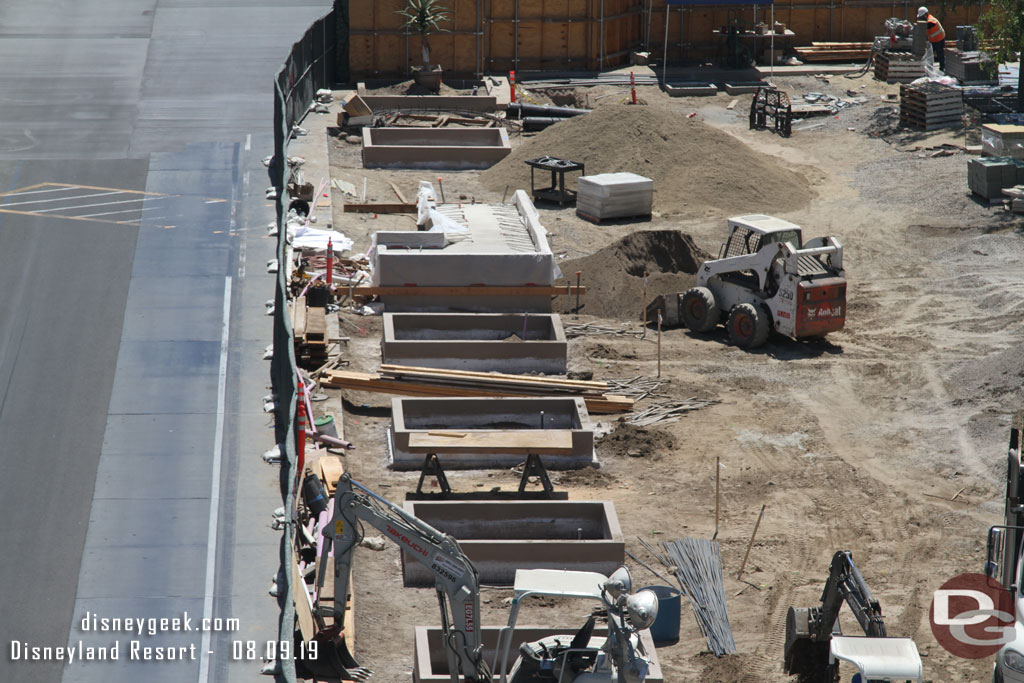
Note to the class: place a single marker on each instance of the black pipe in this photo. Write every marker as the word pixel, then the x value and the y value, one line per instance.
pixel 534 123
pixel 523 110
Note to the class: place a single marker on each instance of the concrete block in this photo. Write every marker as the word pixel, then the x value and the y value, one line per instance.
pixel 434 148
pixel 431 660
pixel 514 424
pixel 485 342
pixel 503 536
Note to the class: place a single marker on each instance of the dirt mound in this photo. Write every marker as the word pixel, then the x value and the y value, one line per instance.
pixel 614 275
pixel 636 442
pixel 695 167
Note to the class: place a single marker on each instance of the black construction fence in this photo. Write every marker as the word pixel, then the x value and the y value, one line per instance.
pixel 310 67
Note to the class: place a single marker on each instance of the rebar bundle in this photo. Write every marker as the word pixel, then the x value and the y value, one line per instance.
pixel 697 564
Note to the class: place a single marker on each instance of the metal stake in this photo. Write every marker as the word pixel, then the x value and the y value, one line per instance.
pixel 750 544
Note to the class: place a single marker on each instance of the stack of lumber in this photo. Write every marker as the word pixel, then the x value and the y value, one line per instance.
pixel 969 67
pixel 834 52
pixel 898 67
pixel 1015 202
pixel 987 176
pixel 415 381
pixel 929 106
pixel 309 329
pixel 614 195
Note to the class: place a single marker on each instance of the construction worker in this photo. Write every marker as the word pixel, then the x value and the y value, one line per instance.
pixel 936 36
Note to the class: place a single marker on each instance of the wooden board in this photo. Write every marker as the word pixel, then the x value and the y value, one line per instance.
pixel 361 381
pixel 303 610
pixel 525 441
pixel 299 318
pixel 380 208
pixel 470 290
pixel 494 377
pixel 331 469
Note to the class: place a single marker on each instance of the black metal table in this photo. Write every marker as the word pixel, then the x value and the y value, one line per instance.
pixel 558 168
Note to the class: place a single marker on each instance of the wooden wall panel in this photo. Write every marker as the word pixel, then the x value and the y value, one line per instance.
pixel 566 34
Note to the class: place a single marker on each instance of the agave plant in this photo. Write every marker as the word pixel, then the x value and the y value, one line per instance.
pixel 424 17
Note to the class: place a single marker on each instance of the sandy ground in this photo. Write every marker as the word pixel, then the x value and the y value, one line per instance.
pixel 858 442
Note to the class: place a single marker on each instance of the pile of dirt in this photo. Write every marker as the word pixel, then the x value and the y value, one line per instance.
pixel 695 167
pixel 614 276
pixel 636 442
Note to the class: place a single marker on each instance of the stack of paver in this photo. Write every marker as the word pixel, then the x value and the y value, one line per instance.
pixel 614 195
pixel 969 67
pixel 898 67
pixel 1002 140
pixel 929 106
pixel 988 176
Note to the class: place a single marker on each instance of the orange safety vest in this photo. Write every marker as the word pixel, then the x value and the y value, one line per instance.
pixel 935 32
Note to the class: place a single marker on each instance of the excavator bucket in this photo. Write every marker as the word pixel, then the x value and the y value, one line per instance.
pixel 804 656
pixel 333 660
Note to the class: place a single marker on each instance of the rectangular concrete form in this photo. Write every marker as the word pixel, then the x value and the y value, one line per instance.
pixel 485 342
pixel 506 420
pixel 429 103
pixel 690 89
pixel 431 662
pixel 503 245
pixel 449 149
pixel 503 536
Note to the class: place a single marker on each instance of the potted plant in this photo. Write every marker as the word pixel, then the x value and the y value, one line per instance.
pixel 424 17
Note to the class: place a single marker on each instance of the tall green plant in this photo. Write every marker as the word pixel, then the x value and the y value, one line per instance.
pixel 1001 29
pixel 424 17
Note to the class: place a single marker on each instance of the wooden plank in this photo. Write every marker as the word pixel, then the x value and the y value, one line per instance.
pixel 316 325
pixel 299 318
pixel 398 193
pixel 470 290
pixel 494 377
pixel 303 605
pixel 380 208
pixel 525 441
pixel 361 381
pixel 331 469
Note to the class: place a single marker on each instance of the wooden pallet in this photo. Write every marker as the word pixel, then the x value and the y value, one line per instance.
pixel 834 52
pixel 929 125
pixel 597 221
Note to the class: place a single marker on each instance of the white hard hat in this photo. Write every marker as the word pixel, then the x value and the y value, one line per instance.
pixel 922 12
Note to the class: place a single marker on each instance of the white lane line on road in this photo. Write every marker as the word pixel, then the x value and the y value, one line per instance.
pixel 218 449
pixel 60 199
pixel 248 142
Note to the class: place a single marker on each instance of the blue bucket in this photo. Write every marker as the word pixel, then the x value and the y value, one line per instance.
pixel 665 629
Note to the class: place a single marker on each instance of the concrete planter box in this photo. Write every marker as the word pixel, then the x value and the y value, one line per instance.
pixel 745 87
pixel 503 536
pixel 488 433
pixel 434 148
pixel 690 89
pixel 417 103
pixel 484 342
pixel 431 662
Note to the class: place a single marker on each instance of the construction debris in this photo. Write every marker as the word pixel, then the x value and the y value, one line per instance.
pixel 668 411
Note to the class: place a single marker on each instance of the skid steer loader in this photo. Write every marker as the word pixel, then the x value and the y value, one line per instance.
pixel 765 279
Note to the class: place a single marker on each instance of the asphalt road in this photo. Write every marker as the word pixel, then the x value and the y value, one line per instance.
pixel 131 332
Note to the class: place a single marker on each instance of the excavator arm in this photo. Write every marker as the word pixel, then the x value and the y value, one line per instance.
pixel 456 581
pixel 810 630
